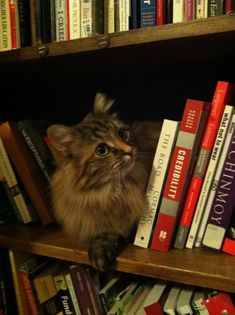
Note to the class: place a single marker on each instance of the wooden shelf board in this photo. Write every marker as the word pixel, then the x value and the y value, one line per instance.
pixel 214 26
pixel 196 266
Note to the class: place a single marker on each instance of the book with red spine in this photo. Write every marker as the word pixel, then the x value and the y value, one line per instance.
pixel 229 240
pixel 160 12
pixel 187 144
pixel 223 95
pixel 223 203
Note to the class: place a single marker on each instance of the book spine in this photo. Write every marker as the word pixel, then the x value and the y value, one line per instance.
pixel 223 203
pixel 183 229
pixel 147 13
pixel 24 23
pixel 124 15
pixel 63 294
pixel 229 241
pixel 74 21
pixel 215 166
pixel 189 10
pixel 157 177
pixel 215 7
pixel 161 12
pixel 178 11
pixel 86 18
pixel 60 20
pixel 72 293
pixel 10 178
pixel 5 35
pixel 222 95
pixel 200 9
pixel 189 137
pixel 229 7
pixel 29 294
pixel 78 275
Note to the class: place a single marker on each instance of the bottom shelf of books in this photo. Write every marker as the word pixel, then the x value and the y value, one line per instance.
pixel 188 266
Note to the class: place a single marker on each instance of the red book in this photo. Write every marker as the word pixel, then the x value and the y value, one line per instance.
pixel 187 144
pixel 229 241
pixel 161 12
pixel 222 96
pixel 229 7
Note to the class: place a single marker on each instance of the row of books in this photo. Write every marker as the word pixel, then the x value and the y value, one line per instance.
pixel 36 285
pixel 25 23
pixel 26 166
pixel 190 197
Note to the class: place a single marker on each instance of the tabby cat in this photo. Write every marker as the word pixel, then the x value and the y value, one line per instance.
pixel 99 185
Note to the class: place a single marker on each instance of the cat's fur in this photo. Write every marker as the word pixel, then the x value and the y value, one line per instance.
pixel 98 196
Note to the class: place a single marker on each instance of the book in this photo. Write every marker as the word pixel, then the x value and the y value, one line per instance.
pixel 6 211
pixel 147 13
pixel 112 290
pixel 119 306
pixel 229 240
pixel 187 144
pixel 5 34
pixel 222 130
pixel 197 302
pixel 63 291
pixel 86 18
pixel 223 203
pixel 23 210
pixel 72 293
pixel 183 306
pixel 172 298
pixel 28 170
pixel 229 7
pixel 28 269
pixel 140 295
pixel 34 132
pixel 217 157
pixel 155 299
pixel 8 303
pixel 221 97
pixel 16 258
pixel 156 181
pixel 48 300
pixel 78 275
pixel 178 11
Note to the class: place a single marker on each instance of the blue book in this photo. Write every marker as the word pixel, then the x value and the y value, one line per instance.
pixel 147 13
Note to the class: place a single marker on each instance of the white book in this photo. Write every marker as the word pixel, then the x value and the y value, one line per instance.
pixel 27 213
pixel 178 11
pixel 171 301
pixel 183 306
pixel 214 159
pixel 109 16
pixel 201 9
pixel 153 296
pixel 61 20
pixel 86 18
pixel 124 13
pixel 197 304
pixel 74 19
pixel 156 182
pixel 214 184
pixel 142 294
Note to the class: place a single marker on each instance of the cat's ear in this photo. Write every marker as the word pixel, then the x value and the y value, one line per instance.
pixel 102 104
pixel 61 137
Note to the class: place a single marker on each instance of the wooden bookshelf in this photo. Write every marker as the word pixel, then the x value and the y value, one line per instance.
pixel 196 266
pixel 150 72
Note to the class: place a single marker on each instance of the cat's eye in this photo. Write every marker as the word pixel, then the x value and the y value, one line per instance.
pixel 102 149
pixel 123 134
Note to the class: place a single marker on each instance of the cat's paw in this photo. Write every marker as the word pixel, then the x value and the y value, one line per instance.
pixel 103 251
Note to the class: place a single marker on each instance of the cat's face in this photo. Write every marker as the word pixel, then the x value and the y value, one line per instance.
pixel 101 147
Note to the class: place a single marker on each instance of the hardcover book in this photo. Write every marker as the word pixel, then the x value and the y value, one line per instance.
pixel 229 241
pixel 23 210
pixel 166 143
pixel 147 13
pixel 171 301
pixel 78 275
pixel 221 97
pixel 34 132
pixel 28 170
pixel 223 203
pixel 70 285
pixel 222 130
pixel 183 306
pixel 187 144
pixel 217 157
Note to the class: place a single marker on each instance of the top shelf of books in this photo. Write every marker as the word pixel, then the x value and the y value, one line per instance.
pixel 196 266
pixel 220 27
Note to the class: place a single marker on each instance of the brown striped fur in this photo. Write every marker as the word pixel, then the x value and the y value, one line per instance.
pixel 98 196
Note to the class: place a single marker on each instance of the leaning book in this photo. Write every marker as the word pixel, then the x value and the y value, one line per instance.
pixel 157 177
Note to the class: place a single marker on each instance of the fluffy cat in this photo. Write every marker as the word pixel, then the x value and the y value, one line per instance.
pixel 98 188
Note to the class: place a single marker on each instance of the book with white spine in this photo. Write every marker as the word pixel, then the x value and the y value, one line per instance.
pixel 157 177
pixel 183 306
pixel 74 19
pixel 215 155
pixel 171 301
pixel 214 184
pixel 178 11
